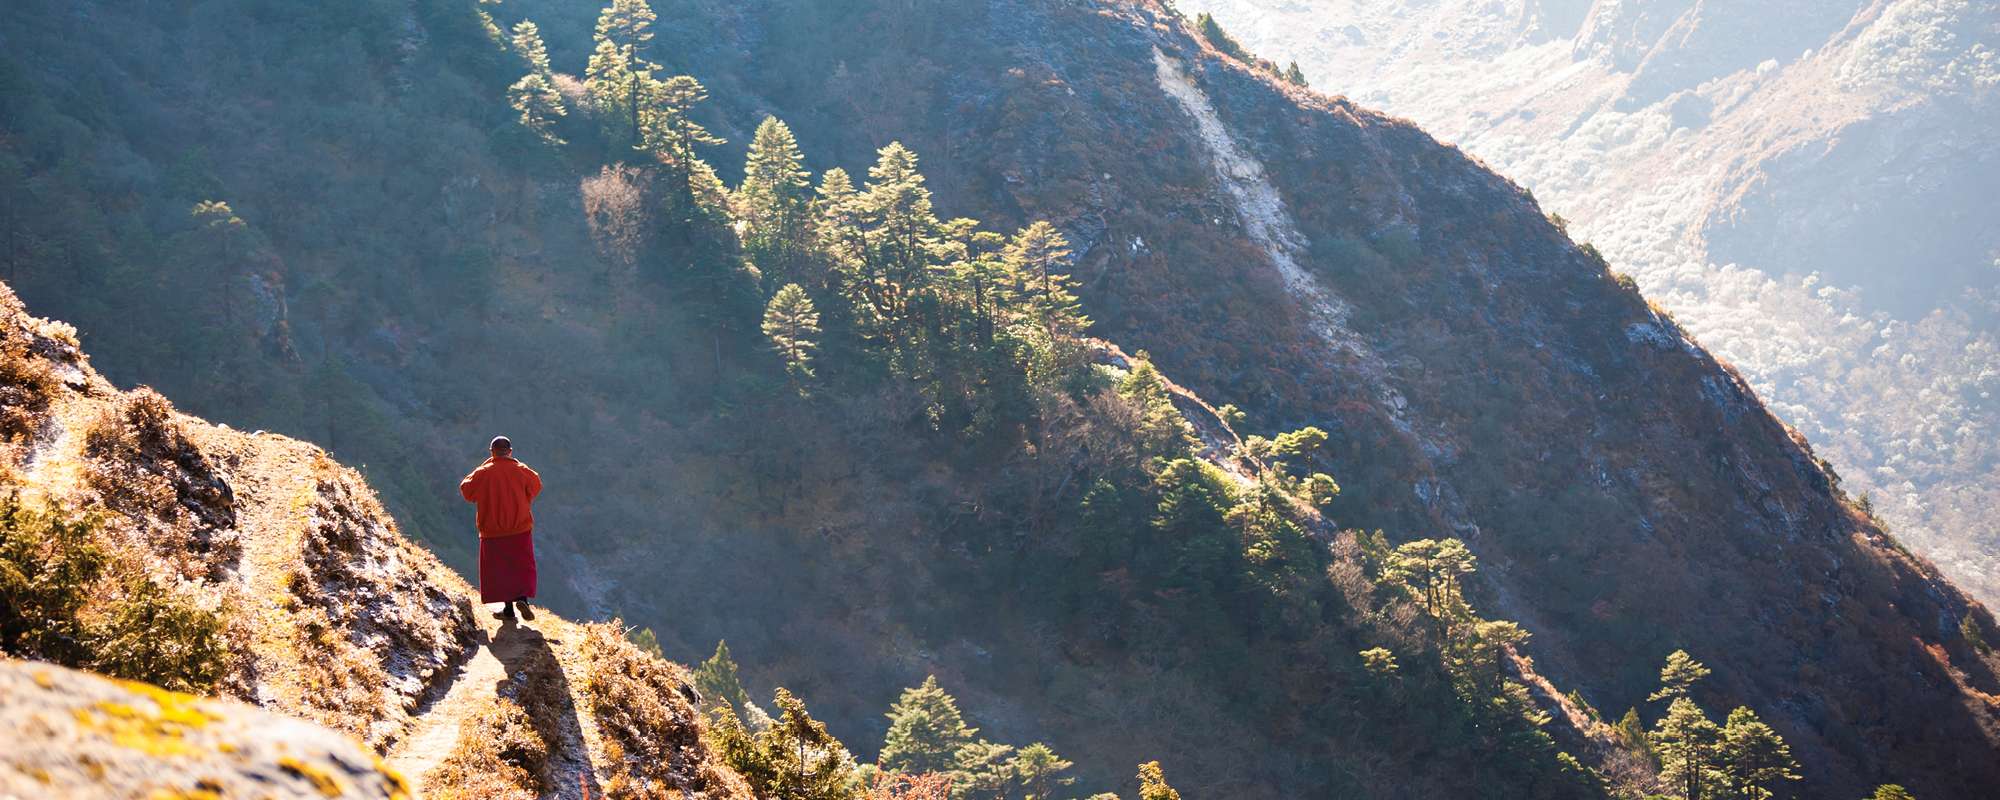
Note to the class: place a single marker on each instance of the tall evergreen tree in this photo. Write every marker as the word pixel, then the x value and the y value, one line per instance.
pixel 619 76
pixel 793 759
pixel 793 328
pixel 1685 741
pixel 1754 757
pixel 775 204
pixel 1679 676
pixel 539 104
pixel 1294 75
pixel 717 681
pixel 900 231
pixel 528 44
pixel 667 130
pixel 926 731
pixel 1037 257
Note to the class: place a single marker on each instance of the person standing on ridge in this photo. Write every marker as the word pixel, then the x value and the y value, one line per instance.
pixel 504 490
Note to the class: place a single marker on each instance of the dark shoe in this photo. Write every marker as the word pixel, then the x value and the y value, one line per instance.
pixel 506 613
pixel 526 611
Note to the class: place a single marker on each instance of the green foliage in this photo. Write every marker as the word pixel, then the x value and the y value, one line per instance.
pixel 1754 758
pixel 793 328
pixel 649 643
pixel 720 686
pixel 1294 75
pixel 1218 38
pixel 619 77
pixel 1038 771
pixel 1034 259
pixel 1679 676
pixel 1430 569
pixel 926 731
pixel 1686 742
pixel 1891 791
pixel 775 206
pixel 1379 661
pixel 1152 782
pixel 793 759
pixel 1968 629
pixel 538 104
pixel 64 599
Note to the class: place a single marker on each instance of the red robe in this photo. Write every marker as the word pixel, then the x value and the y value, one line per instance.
pixel 505 491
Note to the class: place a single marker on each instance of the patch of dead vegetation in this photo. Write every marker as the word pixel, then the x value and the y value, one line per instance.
pixel 654 739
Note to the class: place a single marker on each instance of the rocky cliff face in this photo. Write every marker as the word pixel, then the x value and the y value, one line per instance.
pixel 1796 182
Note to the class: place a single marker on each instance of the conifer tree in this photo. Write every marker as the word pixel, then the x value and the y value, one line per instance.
pixel 926 731
pixel 982 771
pixel 1891 791
pixel 1161 430
pixel 793 759
pixel 793 328
pixel 775 203
pixel 900 231
pixel 1679 676
pixel 1036 257
pixel 1153 783
pixel 528 44
pixel 1038 771
pixel 718 682
pixel 1294 75
pixel 1754 757
pixel 619 76
pixel 668 132
pixel 1685 741
pixel 539 104
pixel 1431 569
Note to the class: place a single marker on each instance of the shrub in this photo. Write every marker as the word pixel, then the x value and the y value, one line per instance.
pixel 26 384
pixel 54 606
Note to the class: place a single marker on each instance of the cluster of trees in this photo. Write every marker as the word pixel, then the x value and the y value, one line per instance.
pixel 975 319
pixel 929 753
pixel 1741 759
pixel 1221 40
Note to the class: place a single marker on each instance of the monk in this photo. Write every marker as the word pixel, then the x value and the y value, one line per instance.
pixel 505 490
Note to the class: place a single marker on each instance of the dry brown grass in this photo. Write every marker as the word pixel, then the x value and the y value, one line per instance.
pixel 500 755
pixel 27 383
pixel 139 461
pixel 653 736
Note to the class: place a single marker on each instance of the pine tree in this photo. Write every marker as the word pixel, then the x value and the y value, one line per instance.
pixel 718 682
pixel 619 77
pixel 926 731
pixel 1685 741
pixel 528 44
pixel 793 328
pixel 1679 676
pixel 982 771
pixel 1891 791
pixel 539 104
pixel 1160 429
pixel 900 230
pixel 1036 257
pixel 1754 757
pixel 1219 39
pixel 1038 771
pixel 1431 569
pixel 775 203
pixel 667 131
pixel 1294 75
pixel 1153 783
pixel 793 759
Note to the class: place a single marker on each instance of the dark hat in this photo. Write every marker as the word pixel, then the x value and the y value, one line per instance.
pixel 501 443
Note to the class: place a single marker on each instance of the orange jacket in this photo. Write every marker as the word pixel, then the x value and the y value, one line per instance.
pixel 504 489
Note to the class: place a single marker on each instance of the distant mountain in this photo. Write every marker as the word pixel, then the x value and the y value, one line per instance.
pixel 1803 184
pixel 868 440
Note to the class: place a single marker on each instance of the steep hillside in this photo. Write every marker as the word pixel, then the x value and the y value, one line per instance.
pixel 986 494
pixel 1800 183
pixel 162 548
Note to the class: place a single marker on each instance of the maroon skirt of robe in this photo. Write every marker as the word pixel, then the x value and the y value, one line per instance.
pixel 507 568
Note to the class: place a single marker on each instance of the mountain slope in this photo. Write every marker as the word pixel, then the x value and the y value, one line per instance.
pixel 1476 374
pixel 318 609
pixel 1530 403
pixel 1798 182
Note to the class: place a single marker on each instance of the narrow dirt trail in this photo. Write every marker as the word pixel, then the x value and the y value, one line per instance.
pixel 437 723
